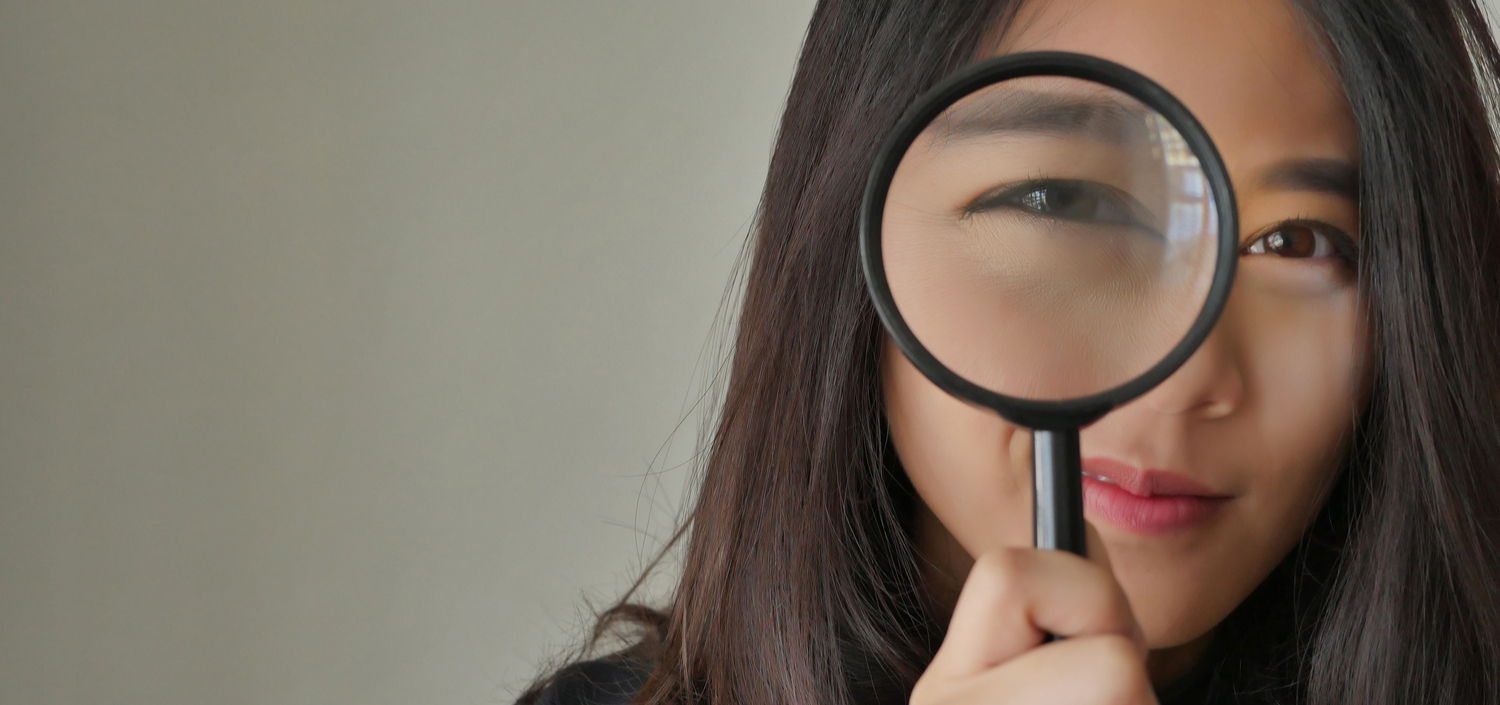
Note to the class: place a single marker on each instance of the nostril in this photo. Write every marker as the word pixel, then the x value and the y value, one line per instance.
pixel 1201 388
pixel 1209 398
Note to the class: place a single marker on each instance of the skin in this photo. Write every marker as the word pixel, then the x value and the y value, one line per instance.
pixel 1261 412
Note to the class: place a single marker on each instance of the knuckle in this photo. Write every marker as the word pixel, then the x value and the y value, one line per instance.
pixel 928 690
pixel 1001 570
pixel 1105 608
pixel 1121 671
pixel 920 693
pixel 1098 606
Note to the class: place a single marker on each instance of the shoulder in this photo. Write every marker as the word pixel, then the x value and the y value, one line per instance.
pixel 606 681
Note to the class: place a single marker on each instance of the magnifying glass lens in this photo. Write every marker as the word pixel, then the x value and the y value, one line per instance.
pixel 1049 238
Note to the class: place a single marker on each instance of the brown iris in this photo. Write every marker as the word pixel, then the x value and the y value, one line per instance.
pixel 1303 240
pixel 1292 240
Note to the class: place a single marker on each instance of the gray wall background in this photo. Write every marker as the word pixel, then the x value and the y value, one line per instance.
pixel 339 341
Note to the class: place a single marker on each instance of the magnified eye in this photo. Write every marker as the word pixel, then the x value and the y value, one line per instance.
pixel 1299 239
pixel 1065 199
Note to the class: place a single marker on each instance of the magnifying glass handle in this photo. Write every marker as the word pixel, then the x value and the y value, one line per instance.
pixel 1057 491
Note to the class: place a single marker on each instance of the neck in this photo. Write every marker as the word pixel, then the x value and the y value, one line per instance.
pixel 1170 663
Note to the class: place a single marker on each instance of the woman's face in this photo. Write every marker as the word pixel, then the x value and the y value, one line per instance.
pixel 1251 430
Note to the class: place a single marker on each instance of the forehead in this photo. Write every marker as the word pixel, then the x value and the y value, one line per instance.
pixel 1248 69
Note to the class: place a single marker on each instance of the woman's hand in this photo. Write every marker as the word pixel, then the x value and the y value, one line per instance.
pixel 994 651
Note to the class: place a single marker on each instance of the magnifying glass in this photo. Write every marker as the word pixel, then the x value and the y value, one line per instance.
pixel 1049 235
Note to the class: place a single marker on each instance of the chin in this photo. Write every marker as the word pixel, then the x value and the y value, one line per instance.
pixel 1175 598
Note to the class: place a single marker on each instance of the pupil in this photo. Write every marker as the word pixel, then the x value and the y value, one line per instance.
pixel 1062 201
pixel 1065 200
pixel 1292 242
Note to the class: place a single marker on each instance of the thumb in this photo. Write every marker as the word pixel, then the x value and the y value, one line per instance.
pixel 1099 555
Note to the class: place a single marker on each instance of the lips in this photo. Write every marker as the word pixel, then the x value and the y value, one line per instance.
pixel 1150 502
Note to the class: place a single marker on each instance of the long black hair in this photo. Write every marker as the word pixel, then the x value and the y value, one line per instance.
pixel 799 577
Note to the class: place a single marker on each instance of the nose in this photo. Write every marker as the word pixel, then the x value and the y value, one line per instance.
pixel 1209 385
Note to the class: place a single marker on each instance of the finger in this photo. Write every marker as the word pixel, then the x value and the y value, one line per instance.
pixel 1099 555
pixel 1089 669
pixel 1013 597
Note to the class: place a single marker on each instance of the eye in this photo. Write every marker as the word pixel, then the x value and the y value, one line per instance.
pixel 1301 239
pixel 1071 200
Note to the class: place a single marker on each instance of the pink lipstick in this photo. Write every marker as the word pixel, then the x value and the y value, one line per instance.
pixel 1147 502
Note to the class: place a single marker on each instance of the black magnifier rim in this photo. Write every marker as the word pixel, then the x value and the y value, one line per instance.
pixel 1035 413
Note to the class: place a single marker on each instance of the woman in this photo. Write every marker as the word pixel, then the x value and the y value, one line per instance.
pixel 860 537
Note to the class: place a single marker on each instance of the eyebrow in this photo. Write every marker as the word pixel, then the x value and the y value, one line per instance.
pixel 1331 176
pixel 1043 112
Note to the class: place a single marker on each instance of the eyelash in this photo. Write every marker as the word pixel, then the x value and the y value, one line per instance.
pixel 1110 205
pixel 1339 245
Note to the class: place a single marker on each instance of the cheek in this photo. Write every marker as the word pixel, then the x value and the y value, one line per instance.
pixel 969 466
pixel 1296 357
pixel 1306 366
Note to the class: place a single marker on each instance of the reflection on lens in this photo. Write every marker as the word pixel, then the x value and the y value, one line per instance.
pixel 1049 238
